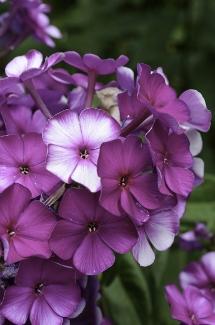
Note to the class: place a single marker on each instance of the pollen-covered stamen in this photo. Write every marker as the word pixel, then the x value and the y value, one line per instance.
pixel 10 232
pixel 38 288
pixel 123 181
pixel 24 170
pixel 92 227
pixel 84 154
pixel 165 157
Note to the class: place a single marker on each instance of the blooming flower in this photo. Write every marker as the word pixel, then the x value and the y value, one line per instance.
pixel 192 308
pixel 121 165
pixel 172 158
pixel 88 232
pixel 74 144
pixel 24 226
pixel 44 291
pixel 160 229
pixel 22 160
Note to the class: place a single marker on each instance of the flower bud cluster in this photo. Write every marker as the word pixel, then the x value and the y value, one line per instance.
pixel 80 181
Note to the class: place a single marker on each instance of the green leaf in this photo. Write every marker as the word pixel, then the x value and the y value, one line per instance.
pixel 128 297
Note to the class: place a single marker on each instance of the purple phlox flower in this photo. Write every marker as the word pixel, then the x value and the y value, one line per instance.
pixel 200 116
pixel 74 143
pixel 20 229
pixel 21 120
pixel 130 107
pixel 22 160
pixel 201 275
pixel 172 158
pixel 160 229
pixel 191 307
pixel 121 165
pixel 89 233
pixel 91 62
pixel 39 26
pixel 27 66
pixel 48 293
pixel 160 98
pixel 192 240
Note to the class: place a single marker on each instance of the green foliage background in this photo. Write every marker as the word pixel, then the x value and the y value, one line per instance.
pixel 179 36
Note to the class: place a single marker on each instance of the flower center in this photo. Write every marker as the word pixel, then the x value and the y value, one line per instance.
pixel 24 170
pixel 11 231
pixel 84 154
pixel 38 288
pixel 123 181
pixel 92 227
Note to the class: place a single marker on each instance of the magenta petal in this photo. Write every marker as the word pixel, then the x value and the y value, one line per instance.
pixel 179 309
pixel 144 189
pixel 66 237
pixel 182 156
pixel 162 228
pixel 133 207
pixel 74 59
pixel 93 256
pixel 73 201
pixel 63 299
pixel 26 247
pixel 142 251
pixel 21 300
pixel 119 235
pixel 13 202
pixel 42 314
pixel 179 180
pixel 198 304
pixel 110 196
pixel 208 265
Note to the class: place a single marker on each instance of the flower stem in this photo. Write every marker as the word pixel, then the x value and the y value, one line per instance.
pixel 91 88
pixel 135 123
pixel 36 97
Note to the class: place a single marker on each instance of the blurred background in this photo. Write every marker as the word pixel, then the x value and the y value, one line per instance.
pixel 179 36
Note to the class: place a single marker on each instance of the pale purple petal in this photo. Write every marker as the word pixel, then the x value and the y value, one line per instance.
pixel 85 174
pixel 33 59
pixel 193 275
pixel 198 171
pixel 142 251
pixel 200 116
pixel 62 162
pixel 63 130
pixel 161 228
pixel 93 256
pixel 9 82
pixel 98 127
pixel 195 141
pixel 74 59
pixel 198 304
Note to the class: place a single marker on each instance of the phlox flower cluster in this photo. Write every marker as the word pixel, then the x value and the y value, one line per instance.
pixel 26 18
pixel 80 181
pixel 195 306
